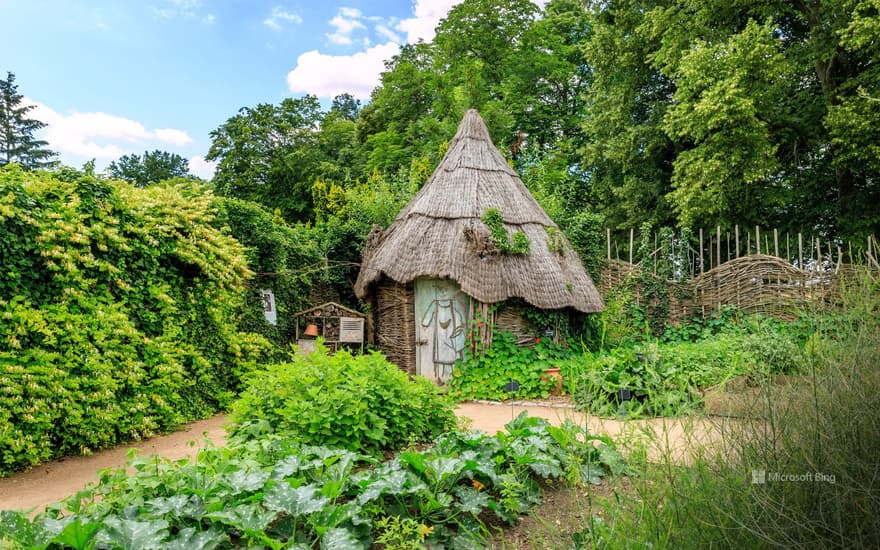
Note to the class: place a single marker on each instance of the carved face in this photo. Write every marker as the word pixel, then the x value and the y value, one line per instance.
pixel 443 292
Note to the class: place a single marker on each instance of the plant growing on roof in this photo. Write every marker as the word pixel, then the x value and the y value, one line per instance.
pixel 555 241
pixel 516 244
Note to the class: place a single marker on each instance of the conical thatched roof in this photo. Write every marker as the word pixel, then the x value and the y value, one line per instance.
pixel 439 234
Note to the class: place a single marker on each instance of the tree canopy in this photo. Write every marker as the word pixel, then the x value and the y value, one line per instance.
pixel 17 141
pixel 150 168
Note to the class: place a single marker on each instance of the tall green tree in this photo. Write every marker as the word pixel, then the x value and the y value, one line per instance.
pixel 626 154
pixel 718 112
pixel 152 167
pixel 270 154
pixel 17 141
pixel 545 89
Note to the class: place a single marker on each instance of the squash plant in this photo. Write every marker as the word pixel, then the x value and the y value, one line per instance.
pixel 272 493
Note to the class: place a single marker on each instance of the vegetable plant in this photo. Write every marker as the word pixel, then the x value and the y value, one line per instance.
pixel 271 492
pixel 362 403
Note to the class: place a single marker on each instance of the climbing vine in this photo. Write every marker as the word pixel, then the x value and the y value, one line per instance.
pixel 555 241
pixel 516 244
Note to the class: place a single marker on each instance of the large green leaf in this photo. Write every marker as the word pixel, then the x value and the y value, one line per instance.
pixel 243 481
pixel 190 539
pixel 296 502
pixel 78 535
pixel 471 500
pixel 134 535
pixel 249 517
pixel 340 539
pixel 15 527
pixel 178 506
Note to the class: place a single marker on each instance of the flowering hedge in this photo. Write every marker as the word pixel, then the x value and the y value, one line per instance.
pixel 115 311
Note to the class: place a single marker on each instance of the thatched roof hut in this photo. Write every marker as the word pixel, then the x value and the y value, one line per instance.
pixel 439 236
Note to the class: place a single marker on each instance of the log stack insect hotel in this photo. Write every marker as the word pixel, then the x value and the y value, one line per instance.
pixel 438 277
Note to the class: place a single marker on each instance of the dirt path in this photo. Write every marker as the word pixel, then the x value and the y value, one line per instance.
pixel 57 480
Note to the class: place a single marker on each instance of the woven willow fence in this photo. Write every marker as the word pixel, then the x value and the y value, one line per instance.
pixel 756 282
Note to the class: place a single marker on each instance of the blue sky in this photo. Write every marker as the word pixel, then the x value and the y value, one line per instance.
pixel 113 77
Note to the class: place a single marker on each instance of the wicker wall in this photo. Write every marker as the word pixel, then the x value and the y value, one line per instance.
pixel 757 283
pixel 395 324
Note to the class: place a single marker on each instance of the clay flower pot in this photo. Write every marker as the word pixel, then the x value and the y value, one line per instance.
pixel 554 376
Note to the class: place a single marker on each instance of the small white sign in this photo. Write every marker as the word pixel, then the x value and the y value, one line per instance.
pixel 269 306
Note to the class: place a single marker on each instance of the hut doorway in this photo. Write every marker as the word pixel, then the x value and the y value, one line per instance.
pixel 441 327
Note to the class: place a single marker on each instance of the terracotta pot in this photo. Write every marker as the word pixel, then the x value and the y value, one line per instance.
pixel 311 330
pixel 554 376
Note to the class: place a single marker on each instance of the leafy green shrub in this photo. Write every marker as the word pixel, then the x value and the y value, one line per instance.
pixel 586 232
pixel 622 322
pixel 663 379
pixel 271 493
pixel 771 352
pixel 362 403
pixel 699 327
pixel 116 313
pixel 486 374
pixel 654 388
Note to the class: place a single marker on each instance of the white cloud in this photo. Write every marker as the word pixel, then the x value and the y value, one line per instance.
pixel 387 33
pixel 346 21
pixel 353 13
pixel 99 135
pixel 279 16
pixel 330 75
pixel 427 14
pixel 202 168
pixel 172 135
pixel 186 9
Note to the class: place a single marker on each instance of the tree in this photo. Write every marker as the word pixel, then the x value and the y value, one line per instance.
pixel 271 154
pixel 152 168
pixel 718 112
pixel 17 142
pixel 626 153
pixel 346 106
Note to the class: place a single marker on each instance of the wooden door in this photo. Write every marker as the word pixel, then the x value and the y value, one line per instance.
pixel 441 318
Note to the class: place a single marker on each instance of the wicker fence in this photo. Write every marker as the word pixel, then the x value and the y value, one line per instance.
pixel 716 273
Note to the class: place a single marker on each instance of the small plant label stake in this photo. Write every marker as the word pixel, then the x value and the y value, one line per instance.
pixel 624 395
pixel 512 387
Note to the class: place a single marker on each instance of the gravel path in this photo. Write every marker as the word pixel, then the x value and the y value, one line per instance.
pixel 57 480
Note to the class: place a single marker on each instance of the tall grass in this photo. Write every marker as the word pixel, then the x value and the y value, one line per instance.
pixel 801 472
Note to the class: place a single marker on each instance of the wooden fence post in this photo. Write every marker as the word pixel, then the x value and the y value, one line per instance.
pixel 787 248
pixel 631 230
pixel 800 251
pixel 736 233
pixel 608 234
pixel 701 250
pixel 718 244
pixel 656 242
pixel 757 240
pixel 727 235
pixel 775 242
